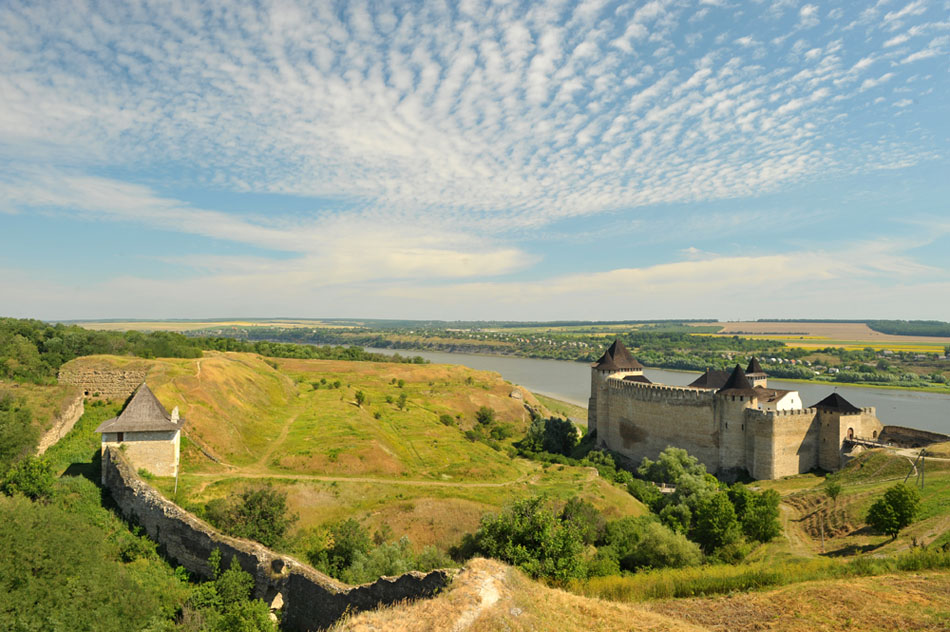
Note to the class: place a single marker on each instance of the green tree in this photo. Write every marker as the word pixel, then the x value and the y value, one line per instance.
pixel 714 523
pixel 485 415
pixel 347 540
pixel 530 536
pixel 258 514
pixel 833 490
pixel 895 510
pixel 360 398
pixel 590 523
pixel 401 402
pixel 670 466
pixel 560 436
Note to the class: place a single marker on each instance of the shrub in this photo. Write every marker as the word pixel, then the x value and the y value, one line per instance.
pixel 258 514
pixel 33 477
pixel 589 522
pixel 446 419
pixel 485 415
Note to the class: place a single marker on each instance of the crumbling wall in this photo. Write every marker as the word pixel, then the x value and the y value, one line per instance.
pixel 64 422
pixel 108 383
pixel 312 600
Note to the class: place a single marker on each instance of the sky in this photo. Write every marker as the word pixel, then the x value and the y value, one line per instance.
pixel 475 160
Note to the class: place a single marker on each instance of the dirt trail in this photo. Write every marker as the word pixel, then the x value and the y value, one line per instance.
pixel 238 473
pixel 488 594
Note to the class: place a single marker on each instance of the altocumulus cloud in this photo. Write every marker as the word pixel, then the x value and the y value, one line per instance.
pixel 435 138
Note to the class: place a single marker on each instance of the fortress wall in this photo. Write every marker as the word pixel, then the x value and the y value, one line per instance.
pixel 64 423
pixel 867 425
pixel 786 442
pixel 730 419
pixel 108 383
pixel 311 599
pixel 910 437
pixel 644 419
pixel 156 452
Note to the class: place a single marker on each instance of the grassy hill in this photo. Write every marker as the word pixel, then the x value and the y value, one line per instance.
pixel 412 465
pixel 489 596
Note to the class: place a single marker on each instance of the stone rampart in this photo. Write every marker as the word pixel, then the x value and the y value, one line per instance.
pixel 63 423
pixel 659 392
pixel 108 383
pixel 311 600
pixel 911 437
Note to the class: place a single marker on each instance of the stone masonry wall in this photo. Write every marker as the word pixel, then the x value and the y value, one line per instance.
pixel 644 419
pixel 109 383
pixel 64 423
pixel 312 600
pixel 156 452
pixel 911 437
pixel 786 442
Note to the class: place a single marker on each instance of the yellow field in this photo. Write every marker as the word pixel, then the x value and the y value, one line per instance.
pixel 851 333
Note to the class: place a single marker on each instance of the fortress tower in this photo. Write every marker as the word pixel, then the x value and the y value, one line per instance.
pixel 616 362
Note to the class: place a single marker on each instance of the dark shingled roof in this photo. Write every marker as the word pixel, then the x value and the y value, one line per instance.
pixel 143 413
pixel 712 378
pixel 737 381
pixel 754 366
pixel 637 378
pixel 617 358
pixel 837 404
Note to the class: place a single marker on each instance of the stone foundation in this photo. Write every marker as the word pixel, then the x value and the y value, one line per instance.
pixel 311 600
pixel 108 383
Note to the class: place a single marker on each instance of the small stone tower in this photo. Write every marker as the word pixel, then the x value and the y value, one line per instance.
pixel 755 374
pixel 616 362
pixel 737 394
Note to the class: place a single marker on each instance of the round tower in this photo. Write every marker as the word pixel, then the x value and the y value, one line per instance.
pixel 617 362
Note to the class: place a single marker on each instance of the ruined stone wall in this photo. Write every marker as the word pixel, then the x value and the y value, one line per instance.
pixel 910 437
pixel 109 383
pixel 641 420
pixel 786 442
pixel 156 452
pixel 312 600
pixel 63 423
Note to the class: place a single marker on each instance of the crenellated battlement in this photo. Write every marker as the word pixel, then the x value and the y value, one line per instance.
pixel 652 392
pixel 755 414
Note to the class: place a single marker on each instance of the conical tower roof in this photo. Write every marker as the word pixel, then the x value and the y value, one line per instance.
pixel 737 381
pixel 754 366
pixel 617 358
pixel 712 378
pixel 143 413
pixel 837 404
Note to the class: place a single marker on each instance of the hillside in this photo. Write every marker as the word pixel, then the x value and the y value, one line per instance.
pixel 416 466
pixel 488 596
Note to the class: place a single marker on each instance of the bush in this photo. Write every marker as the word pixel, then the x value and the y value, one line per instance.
pixel 530 536
pixel 258 514
pixel 32 477
pixel 485 415
pixel 446 419
pixel 589 522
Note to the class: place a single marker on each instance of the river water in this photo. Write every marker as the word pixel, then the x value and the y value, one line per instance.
pixel 570 381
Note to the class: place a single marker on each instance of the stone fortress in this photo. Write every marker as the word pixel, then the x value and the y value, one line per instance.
pixel 731 421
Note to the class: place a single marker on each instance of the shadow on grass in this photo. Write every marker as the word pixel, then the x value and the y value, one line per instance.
pixel 854 549
pixel 90 469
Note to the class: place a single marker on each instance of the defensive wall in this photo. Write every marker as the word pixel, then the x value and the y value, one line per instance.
pixel 311 600
pixel 108 383
pixel 63 423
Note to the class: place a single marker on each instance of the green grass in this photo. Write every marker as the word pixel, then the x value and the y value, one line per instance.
pixel 565 409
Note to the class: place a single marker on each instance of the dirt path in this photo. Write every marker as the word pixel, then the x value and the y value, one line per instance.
pixel 798 540
pixel 261 463
pixel 526 478
pixel 488 595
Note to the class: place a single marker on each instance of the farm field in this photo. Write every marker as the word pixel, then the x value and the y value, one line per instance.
pixel 296 424
pixel 818 335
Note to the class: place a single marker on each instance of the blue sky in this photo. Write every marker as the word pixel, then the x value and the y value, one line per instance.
pixel 597 160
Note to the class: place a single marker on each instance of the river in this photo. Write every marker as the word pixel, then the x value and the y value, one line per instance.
pixel 570 381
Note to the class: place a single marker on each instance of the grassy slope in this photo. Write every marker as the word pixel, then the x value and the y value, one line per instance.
pixel 336 459
pixel 45 402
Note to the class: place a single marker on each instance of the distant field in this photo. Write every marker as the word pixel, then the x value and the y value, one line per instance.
pixel 808 334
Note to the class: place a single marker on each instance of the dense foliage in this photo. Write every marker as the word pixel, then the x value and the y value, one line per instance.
pixel 936 328
pixel 345 550
pixel 17 435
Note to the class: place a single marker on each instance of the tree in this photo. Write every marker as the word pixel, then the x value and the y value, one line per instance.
pixel 833 490
pixel 714 523
pixel 485 415
pixel 670 466
pixel 529 535
pixel 589 521
pixel 360 398
pixel 401 402
pixel 258 514
pixel 895 510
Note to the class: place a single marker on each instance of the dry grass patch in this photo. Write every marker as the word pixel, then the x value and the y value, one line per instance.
pixel 489 596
